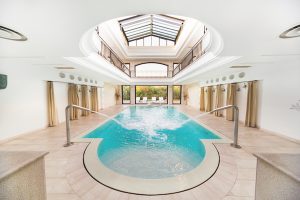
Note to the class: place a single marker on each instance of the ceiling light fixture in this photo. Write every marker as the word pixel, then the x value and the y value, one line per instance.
pixel 240 66
pixel 9 34
pixel 291 33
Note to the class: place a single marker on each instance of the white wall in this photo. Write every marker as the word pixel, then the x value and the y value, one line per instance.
pixel 279 88
pixel 109 95
pixel 23 104
pixel 194 96
pixel 61 99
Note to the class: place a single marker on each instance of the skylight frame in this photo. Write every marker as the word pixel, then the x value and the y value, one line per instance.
pixel 141 26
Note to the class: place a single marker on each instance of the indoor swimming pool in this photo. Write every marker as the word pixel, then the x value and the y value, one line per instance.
pixel 151 142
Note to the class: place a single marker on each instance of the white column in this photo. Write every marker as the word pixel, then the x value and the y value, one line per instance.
pixel 132 94
pixel 101 98
pixel 170 94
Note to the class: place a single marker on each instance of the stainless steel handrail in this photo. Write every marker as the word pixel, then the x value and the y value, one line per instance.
pixel 67 111
pixel 236 123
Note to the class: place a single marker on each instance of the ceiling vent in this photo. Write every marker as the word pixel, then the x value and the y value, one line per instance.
pixel 240 66
pixel 9 34
pixel 291 33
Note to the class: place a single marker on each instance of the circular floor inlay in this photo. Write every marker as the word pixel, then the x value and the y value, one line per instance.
pixel 134 185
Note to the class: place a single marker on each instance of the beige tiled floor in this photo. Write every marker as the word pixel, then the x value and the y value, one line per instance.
pixel 66 177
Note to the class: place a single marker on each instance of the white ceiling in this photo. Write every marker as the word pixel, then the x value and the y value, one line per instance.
pixel 249 29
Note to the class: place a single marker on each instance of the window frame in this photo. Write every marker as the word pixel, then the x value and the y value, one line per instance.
pixel 167 66
pixel 129 94
pixel 151 85
pixel 173 94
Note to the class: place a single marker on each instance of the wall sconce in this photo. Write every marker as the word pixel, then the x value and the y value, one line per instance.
pixel 238 89
pixel 223 90
pixel 245 85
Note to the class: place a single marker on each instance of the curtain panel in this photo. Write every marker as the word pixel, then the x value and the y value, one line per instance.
pixel 251 112
pixel 94 99
pixel 52 113
pixel 73 98
pixel 202 99
pixel 219 100
pixel 231 100
pixel 84 99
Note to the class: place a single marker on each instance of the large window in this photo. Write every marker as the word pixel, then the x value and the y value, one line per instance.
pixel 126 94
pixel 151 41
pixel 151 70
pixel 151 94
pixel 176 94
pixel 164 30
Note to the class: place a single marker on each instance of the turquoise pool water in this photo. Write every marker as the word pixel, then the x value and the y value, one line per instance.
pixel 151 142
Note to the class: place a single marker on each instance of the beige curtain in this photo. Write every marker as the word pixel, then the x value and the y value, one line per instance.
pixel 208 99
pixel 52 114
pixel 84 99
pixel 251 111
pixel 219 99
pixel 73 98
pixel 231 98
pixel 202 101
pixel 94 99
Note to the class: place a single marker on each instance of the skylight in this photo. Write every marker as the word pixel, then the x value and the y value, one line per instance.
pixel 151 30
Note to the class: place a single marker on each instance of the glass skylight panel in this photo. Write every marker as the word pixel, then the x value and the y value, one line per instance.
pixel 162 42
pixel 138 33
pixel 147 41
pixel 137 37
pixel 137 25
pixel 162 27
pixel 155 41
pixel 132 44
pixel 170 43
pixel 140 43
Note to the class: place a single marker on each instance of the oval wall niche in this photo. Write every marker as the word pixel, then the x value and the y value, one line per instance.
pixel 72 77
pixel 62 75
pixel 242 74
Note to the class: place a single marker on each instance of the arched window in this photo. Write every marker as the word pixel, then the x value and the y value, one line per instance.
pixel 151 70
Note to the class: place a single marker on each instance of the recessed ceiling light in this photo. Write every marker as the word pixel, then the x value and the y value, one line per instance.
pixel 291 33
pixel 240 66
pixel 9 34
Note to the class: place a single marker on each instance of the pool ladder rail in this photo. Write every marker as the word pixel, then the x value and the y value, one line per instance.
pixel 235 133
pixel 68 112
pixel 235 123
